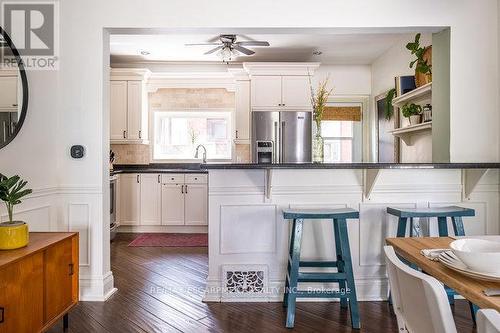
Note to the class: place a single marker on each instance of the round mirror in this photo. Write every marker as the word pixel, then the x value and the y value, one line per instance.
pixel 13 90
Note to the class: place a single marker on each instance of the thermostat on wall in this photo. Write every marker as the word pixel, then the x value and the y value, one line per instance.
pixel 77 151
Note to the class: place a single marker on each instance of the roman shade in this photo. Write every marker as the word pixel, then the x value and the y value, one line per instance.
pixel 346 113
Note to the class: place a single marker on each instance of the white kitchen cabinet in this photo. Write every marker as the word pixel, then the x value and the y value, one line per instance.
pixel 118 110
pixel 150 199
pixel 242 121
pixel 130 199
pixel 172 204
pixel 8 92
pixel 281 92
pixel 266 91
pixel 128 108
pixel 137 111
pixel 196 202
pixel 296 92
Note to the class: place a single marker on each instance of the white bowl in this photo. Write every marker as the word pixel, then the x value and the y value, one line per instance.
pixel 478 254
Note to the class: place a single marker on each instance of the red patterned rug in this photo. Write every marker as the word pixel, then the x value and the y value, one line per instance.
pixel 170 240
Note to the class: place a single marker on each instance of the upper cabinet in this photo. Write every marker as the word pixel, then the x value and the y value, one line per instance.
pixel 128 106
pixel 280 86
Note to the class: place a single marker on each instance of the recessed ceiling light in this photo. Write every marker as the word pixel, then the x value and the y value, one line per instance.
pixel 145 53
pixel 317 53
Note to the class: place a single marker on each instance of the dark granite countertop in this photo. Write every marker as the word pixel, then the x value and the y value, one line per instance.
pixel 203 168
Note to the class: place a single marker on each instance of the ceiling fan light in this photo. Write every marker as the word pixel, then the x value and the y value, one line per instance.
pixel 225 54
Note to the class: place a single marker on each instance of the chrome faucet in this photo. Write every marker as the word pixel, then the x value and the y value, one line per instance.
pixel 204 153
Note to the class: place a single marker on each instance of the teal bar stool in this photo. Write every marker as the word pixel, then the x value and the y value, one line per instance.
pixel 442 214
pixel 344 275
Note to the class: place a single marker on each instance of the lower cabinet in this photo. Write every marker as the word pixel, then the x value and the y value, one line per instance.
pixel 163 199
pixel 38 283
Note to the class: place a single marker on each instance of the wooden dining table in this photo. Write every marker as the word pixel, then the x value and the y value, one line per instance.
pixel 472 289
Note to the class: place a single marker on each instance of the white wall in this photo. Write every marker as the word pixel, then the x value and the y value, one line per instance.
pixel 348 80
pixel 69 106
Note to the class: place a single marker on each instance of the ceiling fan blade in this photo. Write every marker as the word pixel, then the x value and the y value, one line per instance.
pixel 253 43
pixel 243 49
pixel 214 50
pixel 199 44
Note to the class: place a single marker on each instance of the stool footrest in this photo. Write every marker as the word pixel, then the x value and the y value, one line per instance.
pixel 321 277
pixel 318 264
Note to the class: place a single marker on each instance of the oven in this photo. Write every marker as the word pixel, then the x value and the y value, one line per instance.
pixel 112 206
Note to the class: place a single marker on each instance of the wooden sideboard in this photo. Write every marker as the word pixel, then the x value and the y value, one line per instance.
pixel 38 283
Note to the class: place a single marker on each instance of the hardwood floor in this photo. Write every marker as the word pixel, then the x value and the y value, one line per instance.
pixel 160 290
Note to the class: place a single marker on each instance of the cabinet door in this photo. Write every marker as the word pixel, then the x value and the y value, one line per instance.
pixel 296 92
pixel 266 91
pixel 196 204
pixel 130 199
pixel 135 110
pixel 242 131
pixel 58 269
pixel 118 110
pixel 21 295
pixel 172 204
pixel 8 92
pixel 150 199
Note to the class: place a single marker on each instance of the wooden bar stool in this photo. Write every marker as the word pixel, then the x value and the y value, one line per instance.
pixel 442 214
pixel 344 275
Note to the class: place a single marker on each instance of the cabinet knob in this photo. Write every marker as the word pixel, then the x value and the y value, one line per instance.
pixel 124 134
pixel 138 178
pixel 236 134
pixel 182 189
pixel 186 190
pixel 159 178
pixel 140 134
pixel 2 310
pixel 71 269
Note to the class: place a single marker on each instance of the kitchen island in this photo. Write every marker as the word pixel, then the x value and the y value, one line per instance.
pixel 248 237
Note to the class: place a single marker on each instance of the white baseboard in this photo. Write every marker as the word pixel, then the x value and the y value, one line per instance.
pixel 96 288
pixel 182 229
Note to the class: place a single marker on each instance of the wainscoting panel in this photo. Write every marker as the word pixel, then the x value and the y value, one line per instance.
pixel 375 225
pixel 247 229
pixel 79 221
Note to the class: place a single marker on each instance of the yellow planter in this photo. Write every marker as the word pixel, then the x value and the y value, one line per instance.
pixel 13 235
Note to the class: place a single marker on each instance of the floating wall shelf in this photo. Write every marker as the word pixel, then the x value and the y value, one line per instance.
pixel 405 133
pixel 417 95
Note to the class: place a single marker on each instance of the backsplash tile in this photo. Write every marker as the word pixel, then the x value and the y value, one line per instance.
pixel 131 154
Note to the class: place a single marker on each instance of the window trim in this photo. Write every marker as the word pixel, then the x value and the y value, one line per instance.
pixel 152 112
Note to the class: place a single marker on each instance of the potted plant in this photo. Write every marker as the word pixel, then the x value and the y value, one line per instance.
pixel 13 234
pixel 413 112
pixel 318 102
pixel 423 63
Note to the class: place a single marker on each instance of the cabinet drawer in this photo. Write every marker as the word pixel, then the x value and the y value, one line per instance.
pixel 196 178
pixel 172 178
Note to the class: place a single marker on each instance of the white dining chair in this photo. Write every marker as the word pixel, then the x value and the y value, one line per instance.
pixel 419 300
pixel 488 321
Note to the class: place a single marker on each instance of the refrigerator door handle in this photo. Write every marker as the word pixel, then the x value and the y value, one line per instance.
pixel 275 141
pixel 282 142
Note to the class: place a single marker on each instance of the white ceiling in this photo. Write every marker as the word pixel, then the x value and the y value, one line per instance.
pixel 351 48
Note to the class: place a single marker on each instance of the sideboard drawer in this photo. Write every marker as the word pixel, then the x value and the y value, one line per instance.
pixel 172 178
pixel 196 178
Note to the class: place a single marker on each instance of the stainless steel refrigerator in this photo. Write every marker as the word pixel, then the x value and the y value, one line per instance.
pixel 281 137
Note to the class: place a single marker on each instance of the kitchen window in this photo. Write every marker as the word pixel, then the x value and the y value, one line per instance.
pixel 338 141
pixel 177 134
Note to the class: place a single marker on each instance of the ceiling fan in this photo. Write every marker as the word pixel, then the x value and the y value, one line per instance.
pixel 228 47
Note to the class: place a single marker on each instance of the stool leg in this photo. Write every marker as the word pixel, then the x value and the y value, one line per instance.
pixel 346 257
pixel 401 227
pixel 294 273
pixel 458 226
pixel 340 262
pixel 288 266
pixel 443 227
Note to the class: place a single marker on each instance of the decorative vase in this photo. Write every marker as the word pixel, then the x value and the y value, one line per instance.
pixel 415 119
pixel 318 146
pixel 13 235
